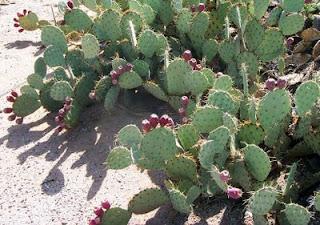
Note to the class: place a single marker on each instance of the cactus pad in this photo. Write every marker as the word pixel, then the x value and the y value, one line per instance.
pixel 179 201
pixel 193 194
pixel 317 201
pixel 261 202
pixel 53 57
pixel 29 22
pixel 181 168
pixel 28 90
pixel 200 24
pixel 130 80
pixel 147 201
pixel 159 144
pixel 258 162
pixel 175 73
pixel 51 35
pixel 227 52
pixel 215 174
pixel 223 83
pixel 46 100
pixel 274 16
pixel 78 20
pixel 259 8
pixel 90 46
pixel 155 90
pixel 210 49
pixel 147 43
pixel 293 5
pixel 220 136
pixel 272 42
pixel 291 24
pixel 111 98
pixel 211 153
pixel 195 82
pixel 60 90
pixel 40 67
pixel 119 158
pixel 136 20
pixel 251 61
pixel 165 12
pixel 224 101
pixel 251 134
pixel 240 174
pixel 110 24
pixel 188 136
pixel 116 216
pixel 207 119
pixel 24 105
pixel 184 21
pixel 35 81
pixel 297 214
pixel 306 96
pixel 130 135
pixel 274 107
pixel 210 76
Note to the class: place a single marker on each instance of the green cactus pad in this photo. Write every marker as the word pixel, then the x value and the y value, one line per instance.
pixel 224 101
pixel 90 4
pixel 29 22
pixel 292 5
pixel 130 135
pixel 297 214
pixel 272 42
pixel 240 174
pixel 75 60
pixel 302 128
pixel 305 97
pixel 313 142
pixel 233 15
pixel 111 98
pixel 184 21
pixel 258 8
pixel 90 46
pixel 53 57
pixel 40 67
pixel 211 153
pixel 162 45
pixel 193 194
pixel 291 24
pixel 24 105
pixel 175 73
pixel 195 82
pixel 155 90
pixel 261 201
pixel 227 52
pixel 46 101
pixel 119 158
pixel 230 122
pixel 210 76
pixel 147 43
pixel 117 62
pixel 110 24
pixel 148 164
pixel 210 49
pixel 258 162
pixel 60 90
pixel 84 86
pixel 207 119
pixel 215 25
pixel 136 20
pixel 220 136
pixel 102 88
pixel 274 107
pixel 165 12
pixel 223 83
pixel 208 186
pixel 147 201
pixel 215 175
pixel 274 16
pixel 251 62
pixel 188 136
pixel 159 144
pixel 51 35
pixel 179 201
pixel 60 74
pixel 141 67
pixel 251 134
pixel 148 14
pixel 260 219
pixel 290 179
pixel 200 24
pixel 116 216
pixel 28 90
pixel 317 201
pixel 130 80
pixel 181 168
pixel 35 81
pixel 78 20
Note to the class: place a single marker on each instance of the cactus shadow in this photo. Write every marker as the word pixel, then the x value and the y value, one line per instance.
pixel 22 44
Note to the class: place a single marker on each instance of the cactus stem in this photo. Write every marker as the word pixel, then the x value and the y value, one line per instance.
pixel 132 34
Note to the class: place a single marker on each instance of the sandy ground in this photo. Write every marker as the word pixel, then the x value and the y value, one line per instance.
pixel 50 179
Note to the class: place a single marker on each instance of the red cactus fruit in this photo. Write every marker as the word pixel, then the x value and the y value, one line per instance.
pixel 193 8
pixel 224 175
pixel 98 211
pixel 115 81
pixel 20 15
pixel 10 99
pixel 198 67
pixel 187 55
pixel 24 12
pixel 12 117
pixel 15 20
pixel 98 220
pixel 92 222
pixel 201 7
pixel 70 4
pixel 282 83
pixel 184 120
pixel 182 111
pixel 185 100
pixel 146 126
pixel 114 74
pixel 164 119
pixel 68 101
pixel 20 30
pixel 19 120
pixel 58 119
pixel 106 204
pixel 92 95
pixel 307 1
pixel 66 107
pixel 14 94
pixel 8 110
pixel 154 120
pixel 234 193
pixel 170 123
pixel 271 84
pixel 16 25
pixel 62 22
pixel 62 112
pixel 129 67
pixel 120 70
pixel 59 129
pixel 290 41
pixel 193 62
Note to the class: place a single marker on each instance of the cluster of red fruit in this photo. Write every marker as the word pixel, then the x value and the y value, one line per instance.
pixel 62 113
pixel 115 75
pixel 17 23
pixel 201 8
pixel 182 110
pixel 99 212
pixel 280 83
pixel 232 192
pixel 12 117
pixel 192 61
pixel 154 120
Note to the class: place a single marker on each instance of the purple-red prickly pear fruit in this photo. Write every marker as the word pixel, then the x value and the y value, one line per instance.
pixel 271 84
pixel 185 100
pixel 193 62
pixel 15 20
pixel 187 55
pixel 282 83
pixel 114 81
pixel 224 175
pixel 129 67
pixel 20 15
pixel 164 119
pixel 67 101
pixel 154 120
pixel 146 126
pixel 62 112
pixel 67 107
pixel 16 25
pixel 307 1
pixel 10 99
pixel 19 120
pixel 114 74
pixel 219 74
pixel 70 4
pixel 8 110
pixel 193 8
pixel 201 7
pixel 58 119
pixel 290 41
pixel 184 120
pixel 182 111
pixel 92 95
pixel 234 193
pixel 92 222
pixel 120 70
pixel 20 30
pixel 198 67
pixel 98 211
pixel 170 123
pixel 12 117
pixel 59 129
pixel 14 94
pixel 106 204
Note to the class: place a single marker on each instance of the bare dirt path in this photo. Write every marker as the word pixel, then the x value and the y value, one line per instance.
pixel 49 179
